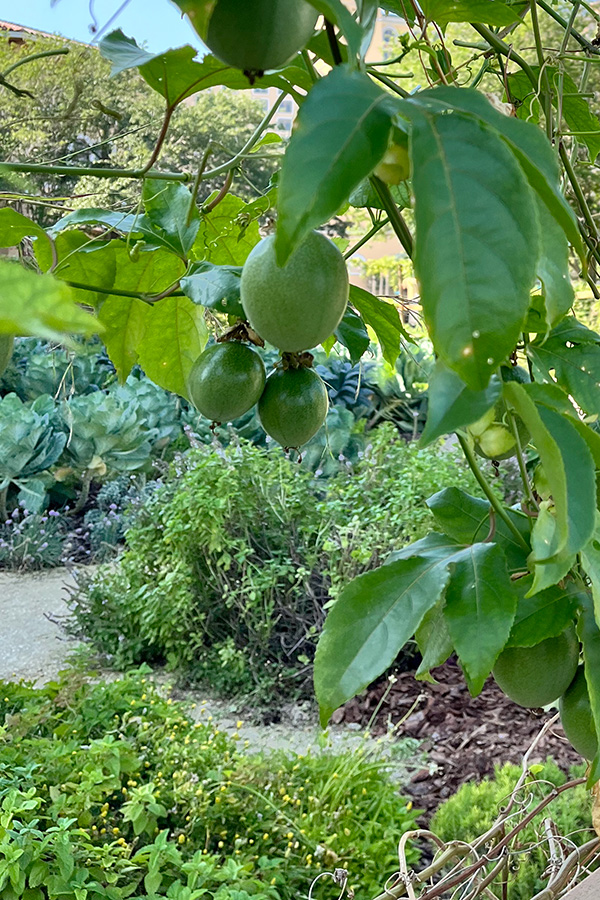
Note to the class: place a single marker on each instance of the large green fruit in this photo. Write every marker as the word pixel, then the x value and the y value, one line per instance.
pixel 536 676
pixel 293 406
pixel 576 716
pixel 6 351
pixel 253 35
pixel 226 381
pixel 492 435
pixel 297 306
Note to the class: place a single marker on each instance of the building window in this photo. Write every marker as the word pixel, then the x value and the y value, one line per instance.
pixel 287 106
pixel 260 92
pixel 378 284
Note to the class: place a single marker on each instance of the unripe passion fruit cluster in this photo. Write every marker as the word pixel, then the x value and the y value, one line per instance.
pixel 550 671
pixel 294 308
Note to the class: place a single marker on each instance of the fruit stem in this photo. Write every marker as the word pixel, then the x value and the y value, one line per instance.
pixel 333 44
pixel 521 461
pixel 396 221
pixel 487 490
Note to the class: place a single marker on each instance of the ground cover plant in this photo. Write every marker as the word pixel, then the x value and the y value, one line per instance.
pixel 230 564
pixel 112 791
pixel 478 171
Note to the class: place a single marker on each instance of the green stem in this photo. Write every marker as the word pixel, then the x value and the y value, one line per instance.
pixel 367 237
pixel 147 298
pixel 495 503
pixel 547 92
pixel 504 50
pixel 583 204
pixel 396 221
pixel 581 40
pixel 84 493
pixel 3 511
pixel 521 462
pixel 389 83
pixel 94 172
pixel 309 65
pixel 28 59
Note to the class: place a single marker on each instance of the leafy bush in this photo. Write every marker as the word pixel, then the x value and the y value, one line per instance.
pixel 229 565
pixel 38 367
pixel 475 806
pixel 111 791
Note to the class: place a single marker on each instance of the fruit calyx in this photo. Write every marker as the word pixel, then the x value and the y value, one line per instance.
pixel 302 360
pixel 243 333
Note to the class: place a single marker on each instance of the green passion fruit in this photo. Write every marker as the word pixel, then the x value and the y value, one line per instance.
pixel 253 35
pixel 7 342
pixel 576 716
pixel 536 676
pixel 293 406
pixel 297 306
pixel 395 165
pixel 226 381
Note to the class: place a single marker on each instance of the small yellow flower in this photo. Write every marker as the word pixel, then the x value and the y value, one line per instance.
pixel 181 839
pixel 290 835
pixel 409 805
pixel 239 724
pixel 217 799
pixel 265 836
pixel 220 845
pixel 273 881
pixel 115 830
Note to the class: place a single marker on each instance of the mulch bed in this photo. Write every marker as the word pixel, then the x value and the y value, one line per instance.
pixel 465 736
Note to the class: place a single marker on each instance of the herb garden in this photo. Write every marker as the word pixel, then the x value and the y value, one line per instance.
pixel 294 483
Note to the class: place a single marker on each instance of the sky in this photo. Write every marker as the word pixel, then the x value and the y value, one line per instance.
pixel 157 24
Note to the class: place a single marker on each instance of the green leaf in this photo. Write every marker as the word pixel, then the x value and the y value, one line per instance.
pixel 341 133
pixel 351 332
pixel 124 321
pixel 176 75
pixel 167 205
pixel 225 236
pixel 476 241
pixel 544 544
pixel 40 305
pixel 590 638
pixel 216 287
pixel 567 463
pixel 529 144
pixel 175 335
pixel 199 12
pixel 434 642
pixel 123 222
pixel 542 615
pixel 336 12
pixel 590 560
pixel 369 624
pixel 14 227
pixel 467 520
pixel 485 12
pixel 452 405
pixel 576 368
pixel 480 610
pixel 553 267
pixel 383 318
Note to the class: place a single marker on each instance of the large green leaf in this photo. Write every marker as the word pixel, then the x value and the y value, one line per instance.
pixel 383 318
pixel 589 635
pixel 434 641
pixel 335 11
pixel 590 560
pixel 177 75
pixel 544 544
pixel 365 195
pixel 216 287
pixel 528 142
pixel 351 332
pixel 476 241
pixel 14 227
pixel 480 610
pixel 370 622
pixel 167 205
pixel 553 267
pixel 487 12
pixel 452 405
pixel 542 615
pixel 175 335
pixel 567 463
pixel 124 321
pixel 341 133
pixel 468 520
pixel 39 305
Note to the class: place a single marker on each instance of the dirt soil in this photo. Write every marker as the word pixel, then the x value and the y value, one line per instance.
pixel 465 736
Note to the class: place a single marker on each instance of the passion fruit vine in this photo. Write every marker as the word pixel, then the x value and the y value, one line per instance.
pixel 253 35
pixel 226 381
pixel 539 675
pixel 297 306
pixel 293 406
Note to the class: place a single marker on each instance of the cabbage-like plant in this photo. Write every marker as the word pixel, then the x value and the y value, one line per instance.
pixel 29 445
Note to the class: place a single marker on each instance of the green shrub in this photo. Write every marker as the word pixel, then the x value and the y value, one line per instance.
pixel 475 806
pixel 229 565
pixel 111 791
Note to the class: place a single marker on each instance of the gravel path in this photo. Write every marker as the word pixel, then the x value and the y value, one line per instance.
pixel 33 646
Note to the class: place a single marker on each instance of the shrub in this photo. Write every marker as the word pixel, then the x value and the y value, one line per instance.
pixel 229 565
pixel 111 791
pixel 475 806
